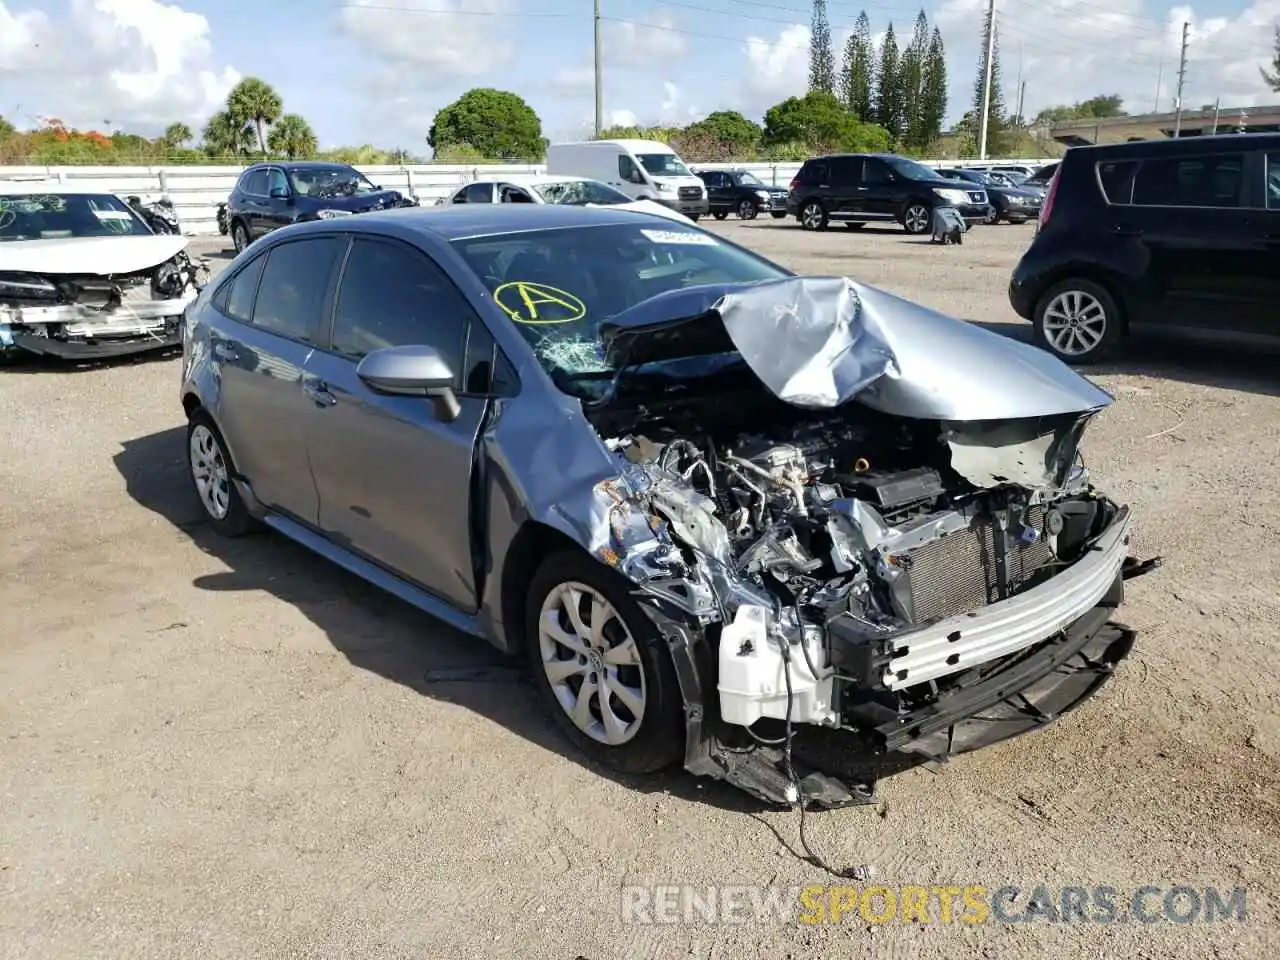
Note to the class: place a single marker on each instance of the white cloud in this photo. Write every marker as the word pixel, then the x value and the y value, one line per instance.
pixel 675 110
pixel 623 118
pixel 653 40
pixel 1072 50
pixel 133 62
pixel 438 38
pixel 777 69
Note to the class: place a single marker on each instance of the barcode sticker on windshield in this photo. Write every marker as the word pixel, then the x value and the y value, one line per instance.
pixel 112 215
pixel 681 236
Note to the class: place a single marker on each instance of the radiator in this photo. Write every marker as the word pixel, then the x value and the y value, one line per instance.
pixel 960 572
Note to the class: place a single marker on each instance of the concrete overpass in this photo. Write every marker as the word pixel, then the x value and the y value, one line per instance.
pixel 1153 126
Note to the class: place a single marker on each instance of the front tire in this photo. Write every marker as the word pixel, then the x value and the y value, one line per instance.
pixel 747 210
pixel 601 666
pixel 211 471
pixel 813 216
pixel 1078 321
pixel 992 218
pixel 720 214
pixel 915 218
pixel 694 217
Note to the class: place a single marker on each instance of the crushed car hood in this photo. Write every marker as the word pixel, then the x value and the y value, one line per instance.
pixel 819 342
pixel 102 256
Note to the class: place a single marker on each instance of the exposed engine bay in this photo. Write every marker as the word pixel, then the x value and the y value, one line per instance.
pixel 87 314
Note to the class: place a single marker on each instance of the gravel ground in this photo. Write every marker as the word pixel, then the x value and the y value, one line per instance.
pixel 217 749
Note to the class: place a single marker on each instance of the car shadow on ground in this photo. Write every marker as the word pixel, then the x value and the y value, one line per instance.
pixel 1247 368
pixel 29 363
pixel 372 629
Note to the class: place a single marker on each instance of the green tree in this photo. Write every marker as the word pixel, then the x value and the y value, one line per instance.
pixel 226 136
pixel 1095 108
pixel 858 70
pixel 911 84
pixel 933 91
pixel 253 101
pixel 177 135
pixel 1272 76
pixel 7 129
pixel 822 62
pixel 497 123
pixel 293 136
pixel 727 126
pixel 820 122
pixel 996 112
pixel 889 106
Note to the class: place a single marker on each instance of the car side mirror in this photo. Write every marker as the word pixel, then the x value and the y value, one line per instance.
pixel 279 193
pixel 412 371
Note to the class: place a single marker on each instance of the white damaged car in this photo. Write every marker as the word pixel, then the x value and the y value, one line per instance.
pixel 82 276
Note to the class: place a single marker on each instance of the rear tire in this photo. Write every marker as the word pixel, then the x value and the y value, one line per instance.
pixel 1078 321
pixel 747 210
pixel 239 236
pixel 586 636
pixel 212 471
pixel 720 214
pixel 694 217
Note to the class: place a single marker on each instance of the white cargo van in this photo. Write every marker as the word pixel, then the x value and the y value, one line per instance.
pixel 644 169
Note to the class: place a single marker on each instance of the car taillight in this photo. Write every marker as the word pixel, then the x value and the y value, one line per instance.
pixel 794 182
pixel 1048 199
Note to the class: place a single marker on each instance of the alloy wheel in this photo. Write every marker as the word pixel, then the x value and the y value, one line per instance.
pixel 747 210
pixel 1074 322
pixel 812 216
pixel 592 663
pixel 916 219
pixel 239 239
pixel 209 470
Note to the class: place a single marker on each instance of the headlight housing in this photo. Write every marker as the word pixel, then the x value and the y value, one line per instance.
pixel 26 286
pixel 332 214
pixel 763 194
pixel 952 196
pixel 663 187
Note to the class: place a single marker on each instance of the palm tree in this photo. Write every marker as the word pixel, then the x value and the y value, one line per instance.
pixel 225 136
pixel 255 101
pixel 292 136
pixel 177 134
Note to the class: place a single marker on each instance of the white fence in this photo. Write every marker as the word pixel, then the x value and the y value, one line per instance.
pixel 197 191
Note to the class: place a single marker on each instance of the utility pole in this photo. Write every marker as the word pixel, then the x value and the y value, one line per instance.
pixel 986 79
pixel 1159 79
pixel 599 78
pixel 1019 87
pixel 1022 95
pixel 1182 76
pixel 1217 101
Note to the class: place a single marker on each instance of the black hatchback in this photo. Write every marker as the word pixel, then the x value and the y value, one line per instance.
pixel 857 189
pixel 271 195
pixel 1177 235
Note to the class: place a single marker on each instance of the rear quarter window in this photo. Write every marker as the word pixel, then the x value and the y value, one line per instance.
pixel 1212 180
pixel 1115 178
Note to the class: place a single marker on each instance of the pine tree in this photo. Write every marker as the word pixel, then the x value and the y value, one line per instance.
pixel 822 62
pixel 933 90
pixel 996 119
pixel 1272 77
pixel 911 84
pixel 888 97
pixel 858 71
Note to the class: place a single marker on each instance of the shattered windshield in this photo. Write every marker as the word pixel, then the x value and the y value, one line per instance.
pixel 579 192
pixel 56 216
pixel 663 164
pixel 327 183
pixel 559 286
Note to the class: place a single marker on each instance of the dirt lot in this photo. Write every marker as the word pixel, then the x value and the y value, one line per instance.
pixel 213 749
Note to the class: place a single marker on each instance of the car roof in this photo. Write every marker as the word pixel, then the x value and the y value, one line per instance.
pixel 302 165
pixel 480 220
pixel 20 187
pixel 1179 146
pixel 531 179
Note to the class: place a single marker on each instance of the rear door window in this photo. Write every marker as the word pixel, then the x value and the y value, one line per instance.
pixel 1115 177
pixel 295 282
pixel 875 172
pixel 479 193
pixel 255 183
pixel 814 171
pixel 235 299
pixel 1210 180
pixel 1273 181
pixel 845 170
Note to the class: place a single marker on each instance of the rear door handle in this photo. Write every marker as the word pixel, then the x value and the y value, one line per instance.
pixel 1122 230
pixel 319 393
pixel 224 351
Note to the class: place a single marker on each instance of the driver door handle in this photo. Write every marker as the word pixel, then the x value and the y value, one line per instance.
pixel 318 392
pixel 224 351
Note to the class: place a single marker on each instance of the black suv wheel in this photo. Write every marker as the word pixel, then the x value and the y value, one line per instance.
pixel 813 216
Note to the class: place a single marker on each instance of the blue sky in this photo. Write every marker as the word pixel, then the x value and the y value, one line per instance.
pixel 377 70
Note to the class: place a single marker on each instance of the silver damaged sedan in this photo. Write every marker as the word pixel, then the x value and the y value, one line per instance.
pixel 725 512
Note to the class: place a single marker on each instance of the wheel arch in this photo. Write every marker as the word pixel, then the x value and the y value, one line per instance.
pixel 533 542
pixel 1092 272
